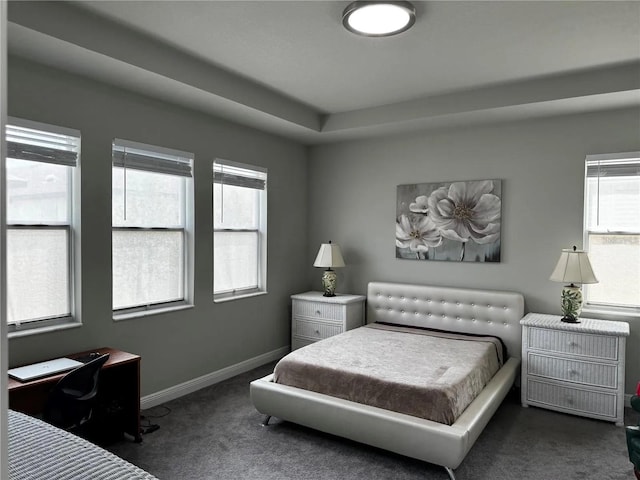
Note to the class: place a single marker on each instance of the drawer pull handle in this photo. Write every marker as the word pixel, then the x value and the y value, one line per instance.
pixel 317 332
pixel 573 344
pixel 569 401
pixel 317 312
pixel 572 372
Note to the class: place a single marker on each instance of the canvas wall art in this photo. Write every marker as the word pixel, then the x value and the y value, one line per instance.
pixel 451 221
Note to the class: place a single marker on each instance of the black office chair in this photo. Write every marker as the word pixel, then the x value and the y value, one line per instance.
pixel 70 403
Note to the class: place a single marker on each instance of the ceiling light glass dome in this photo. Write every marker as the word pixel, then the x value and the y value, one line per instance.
pixel 379 19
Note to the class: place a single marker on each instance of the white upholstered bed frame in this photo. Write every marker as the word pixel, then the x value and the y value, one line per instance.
pixel 455 309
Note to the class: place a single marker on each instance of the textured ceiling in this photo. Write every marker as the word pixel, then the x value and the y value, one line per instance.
pixel 290 67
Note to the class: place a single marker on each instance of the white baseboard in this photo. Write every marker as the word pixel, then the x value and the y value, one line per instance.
pixel 209 379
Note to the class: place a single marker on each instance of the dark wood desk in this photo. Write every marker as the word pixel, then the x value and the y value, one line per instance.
pixel 119 387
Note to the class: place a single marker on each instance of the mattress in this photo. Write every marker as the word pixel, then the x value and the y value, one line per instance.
pixel 431 375
pixel 39 451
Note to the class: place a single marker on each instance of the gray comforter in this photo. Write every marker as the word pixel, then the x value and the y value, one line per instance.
pixel 401 369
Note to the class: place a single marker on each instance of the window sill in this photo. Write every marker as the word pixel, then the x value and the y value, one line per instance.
pixel 230 298
pixel 38 330
pixel 610 314
pixel 117 317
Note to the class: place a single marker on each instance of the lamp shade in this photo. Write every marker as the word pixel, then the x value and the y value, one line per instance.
pixel 573 267
pixel 329 256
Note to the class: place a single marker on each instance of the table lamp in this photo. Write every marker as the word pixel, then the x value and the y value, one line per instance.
pixel 573 267
pixel 329 256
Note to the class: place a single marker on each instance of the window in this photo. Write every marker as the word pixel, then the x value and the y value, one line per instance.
pixel 239 229
pixel 41 169
pixel 152 215
pixel 612 230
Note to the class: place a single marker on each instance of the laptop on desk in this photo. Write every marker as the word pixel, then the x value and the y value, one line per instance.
pixel 43 369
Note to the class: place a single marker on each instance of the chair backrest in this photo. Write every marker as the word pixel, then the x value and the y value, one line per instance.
pixel 70 402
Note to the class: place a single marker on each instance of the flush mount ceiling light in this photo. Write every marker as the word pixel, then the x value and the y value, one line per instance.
pixel 378 19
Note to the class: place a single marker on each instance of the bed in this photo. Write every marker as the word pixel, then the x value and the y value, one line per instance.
pixel 38 451
pixel 478 312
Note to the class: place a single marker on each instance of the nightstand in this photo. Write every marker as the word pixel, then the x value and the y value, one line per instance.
pixel 315 316
pixel 574 368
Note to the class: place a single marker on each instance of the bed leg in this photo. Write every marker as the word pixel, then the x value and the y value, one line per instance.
pixel 265 422
pixel 452 476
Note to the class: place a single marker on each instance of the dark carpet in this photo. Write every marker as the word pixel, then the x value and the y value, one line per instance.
pixel 215 433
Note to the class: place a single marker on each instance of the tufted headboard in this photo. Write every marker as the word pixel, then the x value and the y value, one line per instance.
pixel 487 312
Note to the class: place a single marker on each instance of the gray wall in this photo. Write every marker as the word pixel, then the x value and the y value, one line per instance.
pixel 175 347
pixel 541 163
pixel 347 191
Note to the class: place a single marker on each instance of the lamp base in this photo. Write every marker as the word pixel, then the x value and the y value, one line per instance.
pixel 329 282
pixel 571 303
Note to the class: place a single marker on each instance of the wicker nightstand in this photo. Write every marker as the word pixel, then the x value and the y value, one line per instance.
pixel 574 368
pixel 316 317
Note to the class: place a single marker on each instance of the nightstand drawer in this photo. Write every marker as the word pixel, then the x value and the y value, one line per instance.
pixel 596 346
pixel 595 374
pixel 580 401
pixel 315 330
pixel 297 342
pixel 329 311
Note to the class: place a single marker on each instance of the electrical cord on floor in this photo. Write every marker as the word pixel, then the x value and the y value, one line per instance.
pixel 146 426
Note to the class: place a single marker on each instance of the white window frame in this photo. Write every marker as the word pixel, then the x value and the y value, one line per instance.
pixel 73 318
pixel 181 165
pixel 258 175
pixel 605 310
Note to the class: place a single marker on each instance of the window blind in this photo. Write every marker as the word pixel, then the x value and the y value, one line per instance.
pixel 25 143
pixel 612 193
pixel 151 159
pixel 614 168
pixel 231 173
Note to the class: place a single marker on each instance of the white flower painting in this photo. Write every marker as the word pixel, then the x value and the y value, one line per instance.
pixel 455 221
